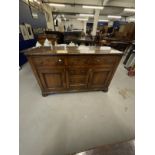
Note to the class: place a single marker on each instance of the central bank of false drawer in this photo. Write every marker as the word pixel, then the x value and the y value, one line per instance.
pixel 77 60
pixel 46 61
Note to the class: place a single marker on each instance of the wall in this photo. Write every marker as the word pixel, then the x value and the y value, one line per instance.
pixel 25 16
pixel 48 16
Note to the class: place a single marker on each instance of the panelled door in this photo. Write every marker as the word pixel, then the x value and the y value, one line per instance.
pixel 99 77
pixel 52 79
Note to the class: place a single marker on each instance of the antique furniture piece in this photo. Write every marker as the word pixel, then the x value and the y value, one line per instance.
pixel 73 69
pixel 87 40
pixel 56 34
pixel 42 37
pixel 118 44
pixel 123 148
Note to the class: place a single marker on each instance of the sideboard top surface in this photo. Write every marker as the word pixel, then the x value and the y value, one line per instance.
pixel 61 50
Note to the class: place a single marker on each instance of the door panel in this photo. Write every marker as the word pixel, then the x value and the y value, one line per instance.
pixel 99 78
pixel 53 79
pixel 77 77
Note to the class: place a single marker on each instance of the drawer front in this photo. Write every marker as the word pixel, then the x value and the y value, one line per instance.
pixel 108 61
pixel 77 60
pixel 45 61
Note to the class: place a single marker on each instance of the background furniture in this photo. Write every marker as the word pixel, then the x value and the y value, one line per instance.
pixel 130 55
pixel 126 31
pixel 42 37
pixel 87 40
pixel 73 71
pixel 56 34
pixel 115 43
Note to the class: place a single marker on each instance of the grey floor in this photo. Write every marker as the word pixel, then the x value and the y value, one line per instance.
pixel 64 123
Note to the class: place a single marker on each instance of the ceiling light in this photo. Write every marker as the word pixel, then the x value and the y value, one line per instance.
pixel 57 5
pixel 129 10
pixel 84 19
pixel 103 20
pixel 114 17
pixel 92 7
pixel 86 15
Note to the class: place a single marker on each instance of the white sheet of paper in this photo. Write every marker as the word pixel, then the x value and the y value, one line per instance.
pixel 61 51
pixel 87 51
pixel 46 43
pixel 38 44
pixel 105 48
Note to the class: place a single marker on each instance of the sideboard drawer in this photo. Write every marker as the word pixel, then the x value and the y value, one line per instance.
pixel 45 61
pixel 78 60
pixel 102 60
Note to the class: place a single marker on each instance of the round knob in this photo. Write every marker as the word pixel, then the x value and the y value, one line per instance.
pixel 59 60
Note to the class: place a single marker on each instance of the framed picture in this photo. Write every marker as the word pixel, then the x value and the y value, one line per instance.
pixel 24 32
pixel 29 30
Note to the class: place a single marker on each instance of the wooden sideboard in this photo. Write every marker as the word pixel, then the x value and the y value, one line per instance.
pixel 73 69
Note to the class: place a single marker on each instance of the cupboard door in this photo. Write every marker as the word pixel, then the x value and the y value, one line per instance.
pixel 99 77
pixel 52 79
pixel 77 78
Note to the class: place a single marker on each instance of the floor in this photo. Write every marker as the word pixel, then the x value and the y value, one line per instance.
pixel 65 123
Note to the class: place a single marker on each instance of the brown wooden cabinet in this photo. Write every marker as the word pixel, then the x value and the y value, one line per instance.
pixel 72 71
